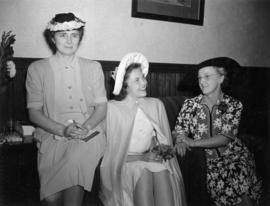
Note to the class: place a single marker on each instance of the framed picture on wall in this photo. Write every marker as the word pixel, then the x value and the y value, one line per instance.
pixel 183 11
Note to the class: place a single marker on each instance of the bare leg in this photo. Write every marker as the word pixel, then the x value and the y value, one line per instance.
pixel 143 195
pixel 53 200
pixel 246 201
pixel 73 196
pixel 163 193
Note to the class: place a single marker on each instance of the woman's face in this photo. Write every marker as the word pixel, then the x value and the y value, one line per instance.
pixel 67 42
pixel 136 84
pixel 209 80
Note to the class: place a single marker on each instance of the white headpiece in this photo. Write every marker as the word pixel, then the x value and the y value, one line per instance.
pixel 65 21
pixel 120 71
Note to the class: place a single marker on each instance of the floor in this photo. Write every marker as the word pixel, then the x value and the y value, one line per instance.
pixel 88 201
pixel 91 200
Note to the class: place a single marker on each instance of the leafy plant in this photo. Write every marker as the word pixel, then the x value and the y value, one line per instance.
pixel 6 54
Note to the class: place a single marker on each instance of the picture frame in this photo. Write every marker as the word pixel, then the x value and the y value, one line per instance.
pixel 182 11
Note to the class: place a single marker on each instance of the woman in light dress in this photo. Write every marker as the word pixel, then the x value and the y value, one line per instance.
pixel 66 99
pixel 131 173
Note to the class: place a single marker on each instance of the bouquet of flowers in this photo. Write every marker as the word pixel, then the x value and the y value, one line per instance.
pixel 165 151
pixel 6 54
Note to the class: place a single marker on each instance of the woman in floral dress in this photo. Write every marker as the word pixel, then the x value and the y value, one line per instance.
pixel 211 121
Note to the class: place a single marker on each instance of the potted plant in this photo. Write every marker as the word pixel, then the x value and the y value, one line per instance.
pixel 7 73
pixel 7 67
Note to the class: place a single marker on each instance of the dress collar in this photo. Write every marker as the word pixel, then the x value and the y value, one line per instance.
pixel 61 62
pixel 133 103
pixel 201 99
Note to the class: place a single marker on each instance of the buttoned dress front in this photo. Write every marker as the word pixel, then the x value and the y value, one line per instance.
pixel 66 91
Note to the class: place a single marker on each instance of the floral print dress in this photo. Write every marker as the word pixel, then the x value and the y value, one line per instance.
pixel 230 169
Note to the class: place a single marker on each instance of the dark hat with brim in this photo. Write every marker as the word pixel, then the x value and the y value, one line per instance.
pixel 224 62
pixel 190 81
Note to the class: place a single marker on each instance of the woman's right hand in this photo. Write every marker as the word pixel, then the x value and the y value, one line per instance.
pixel 181 148
pixel 74 131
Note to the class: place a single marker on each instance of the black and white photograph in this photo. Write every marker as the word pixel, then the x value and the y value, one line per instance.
pixel 184 11
pixel 134 103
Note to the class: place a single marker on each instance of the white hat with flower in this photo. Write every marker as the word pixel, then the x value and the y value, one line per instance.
pixel 119 73
pixel 65 21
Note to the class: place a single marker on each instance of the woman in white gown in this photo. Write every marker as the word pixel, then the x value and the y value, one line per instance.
pixel 131 173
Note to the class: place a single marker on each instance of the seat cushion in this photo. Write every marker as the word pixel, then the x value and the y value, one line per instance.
pixel 172 105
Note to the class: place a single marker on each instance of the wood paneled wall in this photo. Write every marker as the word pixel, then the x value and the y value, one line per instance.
pixel 163 80
pixel 249 84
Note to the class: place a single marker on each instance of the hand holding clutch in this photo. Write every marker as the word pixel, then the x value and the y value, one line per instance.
pixel 90 136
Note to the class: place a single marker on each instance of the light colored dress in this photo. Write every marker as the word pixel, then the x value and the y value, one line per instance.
pixel 66 91
pixel 140 141
pixel 126 127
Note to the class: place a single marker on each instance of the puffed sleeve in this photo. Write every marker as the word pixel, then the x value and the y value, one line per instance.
pixel 231 119
pixel 184 117
pixel 99 86
pixel 34 88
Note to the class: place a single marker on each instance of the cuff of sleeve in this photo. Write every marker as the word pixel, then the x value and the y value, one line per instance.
pixel 178 140
pixel 176 137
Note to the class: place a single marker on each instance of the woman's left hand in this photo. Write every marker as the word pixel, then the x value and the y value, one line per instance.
pixel 188 141
pixel 75 131
pixel 181 148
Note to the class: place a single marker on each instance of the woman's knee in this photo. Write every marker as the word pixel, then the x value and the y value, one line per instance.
pixel 162 178
pixel 54 199
pixel 143 194
pixel 163 192
pixel 73 195
pixel 145 181
pixel 74 157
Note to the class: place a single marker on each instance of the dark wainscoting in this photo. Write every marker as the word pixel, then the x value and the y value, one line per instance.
pixel 163 80
pixel 249 84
